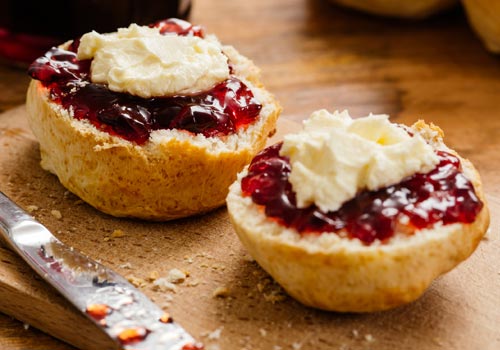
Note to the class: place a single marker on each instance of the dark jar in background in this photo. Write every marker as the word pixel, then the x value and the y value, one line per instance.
pixel 28 28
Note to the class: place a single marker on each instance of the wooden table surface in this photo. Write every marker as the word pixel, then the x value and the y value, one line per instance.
pixel 315 55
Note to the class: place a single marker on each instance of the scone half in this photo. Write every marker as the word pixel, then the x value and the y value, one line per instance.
pixel 332 272
pixel 174 174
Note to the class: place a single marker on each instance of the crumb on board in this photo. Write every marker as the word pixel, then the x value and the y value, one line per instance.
pixel 153 276
pixel 221 292
pixel 215 335
pixel 114 234
pixel 136 281
pixel 56 213
pixel 193 283
pixel 369 338
pixel 271 291
pixel 218 267
pixel 176 276
pixel 32 208
pixel 274 297
pixel 117 234
pixel 126 265
pixel 163 285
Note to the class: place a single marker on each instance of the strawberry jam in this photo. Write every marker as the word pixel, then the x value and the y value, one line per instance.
pixel 443 195
pixel 224 109
pixel 179 27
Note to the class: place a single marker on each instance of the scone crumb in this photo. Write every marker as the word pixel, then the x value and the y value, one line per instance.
pixel 153 276
pixel 193 283
pixel 32 208
pixel 136 281
pixel 262 332
pixel 369 338
pixel 163 285
pixel 176 276
pixel 277 347
pixel 221 292
pixel 218 267
pixel 126 265
pixel 271 291
pixel 56 213
pixel 117 234
pixel 274 297
pixel 296 346
pixel 215 335
pixel 355 333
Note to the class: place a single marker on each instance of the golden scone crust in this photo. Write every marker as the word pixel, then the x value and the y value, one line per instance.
pixel 397 8
pixel 174 174
pixel 340 274
pixel 484 16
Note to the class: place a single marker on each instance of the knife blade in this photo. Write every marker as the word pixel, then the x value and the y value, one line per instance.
pixel 120 310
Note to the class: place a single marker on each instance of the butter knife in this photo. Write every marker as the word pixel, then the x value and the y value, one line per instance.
pixel 120 310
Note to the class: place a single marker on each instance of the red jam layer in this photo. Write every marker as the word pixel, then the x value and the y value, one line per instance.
pixel 224 109
pixel 179 27
pixel 418 202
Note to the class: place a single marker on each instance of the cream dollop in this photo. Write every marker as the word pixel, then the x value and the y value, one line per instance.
pixel 335 156
pixel 140 61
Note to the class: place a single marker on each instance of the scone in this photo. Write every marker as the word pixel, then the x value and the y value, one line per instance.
pixel 358 215
pixel 148 122
pixel 484 16
pixel 396 8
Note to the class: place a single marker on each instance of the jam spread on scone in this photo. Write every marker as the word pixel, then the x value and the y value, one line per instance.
pixel 222 110
pixel 419 201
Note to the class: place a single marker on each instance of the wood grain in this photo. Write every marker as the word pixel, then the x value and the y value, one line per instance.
pixel 313 55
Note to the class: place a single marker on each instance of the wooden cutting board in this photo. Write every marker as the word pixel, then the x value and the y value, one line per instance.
pixel 461 310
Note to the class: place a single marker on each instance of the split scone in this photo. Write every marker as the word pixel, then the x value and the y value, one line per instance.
pixel 397 8
pixel 358 215
pixel 149 122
